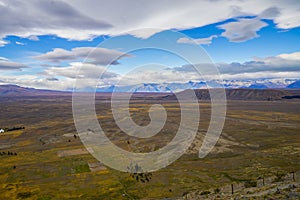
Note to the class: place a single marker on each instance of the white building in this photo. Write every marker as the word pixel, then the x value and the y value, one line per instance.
pixel 1 131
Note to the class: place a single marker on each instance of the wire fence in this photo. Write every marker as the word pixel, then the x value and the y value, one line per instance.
pixel 236 187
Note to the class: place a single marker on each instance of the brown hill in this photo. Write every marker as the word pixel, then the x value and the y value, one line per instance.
pixel 202 94
pixel 243 94
pixel 14 90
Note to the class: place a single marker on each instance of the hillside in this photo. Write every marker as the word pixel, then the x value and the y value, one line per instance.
pixel 202 94
pixel 14 90
pixel 244 94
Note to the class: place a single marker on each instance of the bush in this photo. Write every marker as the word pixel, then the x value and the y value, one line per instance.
pixel 82 168
pixel 250 183
pixel 217 190
pixel 205 193
pixel 24 195
pixel 279 177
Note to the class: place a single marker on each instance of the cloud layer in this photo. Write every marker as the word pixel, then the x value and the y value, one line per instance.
pixel 76 19
pixel 35 17
pixel 280 67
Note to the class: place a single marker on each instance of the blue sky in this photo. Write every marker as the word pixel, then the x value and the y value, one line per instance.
pixel 246 40
pixel 272 41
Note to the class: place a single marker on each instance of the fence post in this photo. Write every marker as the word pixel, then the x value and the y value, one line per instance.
pixel 293 176
pixel 231 188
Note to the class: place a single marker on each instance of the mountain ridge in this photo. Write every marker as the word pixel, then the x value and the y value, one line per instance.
pixel 178 87
pixel 201 94
pixel 15 90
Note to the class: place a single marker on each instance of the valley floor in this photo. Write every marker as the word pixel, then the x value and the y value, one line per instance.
pixel 260 140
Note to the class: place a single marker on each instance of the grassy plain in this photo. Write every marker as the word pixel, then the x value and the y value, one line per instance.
pixel 260 139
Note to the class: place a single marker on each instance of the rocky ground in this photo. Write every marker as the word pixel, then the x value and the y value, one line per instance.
pixel 287 188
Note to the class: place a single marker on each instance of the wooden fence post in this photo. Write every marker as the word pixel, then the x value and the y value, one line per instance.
pixel 293 176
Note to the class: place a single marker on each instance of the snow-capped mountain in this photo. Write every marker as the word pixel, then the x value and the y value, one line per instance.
pixel 177 87
pixel 258 86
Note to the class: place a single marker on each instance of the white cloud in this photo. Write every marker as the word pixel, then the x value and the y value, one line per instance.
pixel 283 65
pixel 3 43
pixel 292 56
pixel 99 56
pixel 79 20
pixel 207 40
pixel 33 38
pixel 242 30
pixel 3 58
pixel 155 76
pixel 261 75
pixel 20 43
pixel 88 71
pixel 289 16
pixel 36 81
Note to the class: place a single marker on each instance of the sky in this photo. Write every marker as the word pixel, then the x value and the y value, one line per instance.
pixel 51 44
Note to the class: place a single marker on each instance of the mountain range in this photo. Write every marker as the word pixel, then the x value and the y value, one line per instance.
pixel 14 90
pixel 261 94
pixel 177 87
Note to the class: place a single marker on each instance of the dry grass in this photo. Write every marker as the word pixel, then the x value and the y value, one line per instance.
pixel 256 142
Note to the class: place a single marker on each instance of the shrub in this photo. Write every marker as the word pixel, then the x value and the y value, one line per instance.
pixel 250 183
pixel 82 168
pixel 205 193
pixel 279 177
pixel 217 190
pixel 24 195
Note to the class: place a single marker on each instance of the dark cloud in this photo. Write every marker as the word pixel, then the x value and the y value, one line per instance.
pixel 52 79
pixel 9 65
pixel 63 14
pixel 242 30
pixel 57 55
pixel 270 13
